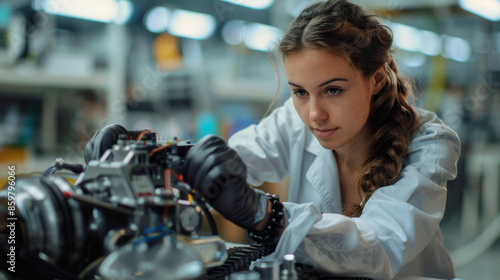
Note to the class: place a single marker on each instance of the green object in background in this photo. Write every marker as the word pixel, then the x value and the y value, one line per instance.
pixel 437 83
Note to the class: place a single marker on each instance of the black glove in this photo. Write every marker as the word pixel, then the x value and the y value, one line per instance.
pixel 105 138
pixel 219 174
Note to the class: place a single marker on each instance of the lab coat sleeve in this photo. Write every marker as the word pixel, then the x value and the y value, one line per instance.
pixel 265 146
pixel 397 223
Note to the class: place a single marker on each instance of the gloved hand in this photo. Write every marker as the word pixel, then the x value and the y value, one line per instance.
pixel 218 173
pixel 104 139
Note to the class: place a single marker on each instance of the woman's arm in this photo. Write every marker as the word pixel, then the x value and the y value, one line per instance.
pixel 265 147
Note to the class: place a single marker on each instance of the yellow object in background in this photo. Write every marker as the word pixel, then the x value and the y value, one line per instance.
pixel 437 83
pixel 166 52
pixel 11 156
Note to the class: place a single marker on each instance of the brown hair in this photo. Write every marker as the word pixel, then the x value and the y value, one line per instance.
pixel 345 29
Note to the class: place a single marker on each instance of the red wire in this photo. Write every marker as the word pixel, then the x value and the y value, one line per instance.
pixel 167 186
pixel 146 131
pixel 159 149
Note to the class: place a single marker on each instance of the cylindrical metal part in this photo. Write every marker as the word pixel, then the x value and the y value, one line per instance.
pixel 246 275
pixel 268 270
pixel 288 271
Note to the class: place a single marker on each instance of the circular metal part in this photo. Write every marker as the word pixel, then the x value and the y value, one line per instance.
pixel 190 218
pixel 46 221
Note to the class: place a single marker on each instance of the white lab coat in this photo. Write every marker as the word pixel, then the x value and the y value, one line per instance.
pixel 398 232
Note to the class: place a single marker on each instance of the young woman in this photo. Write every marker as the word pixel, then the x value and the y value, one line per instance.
pixel 368 172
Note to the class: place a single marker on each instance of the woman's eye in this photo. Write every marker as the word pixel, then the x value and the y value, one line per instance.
pixel 333 91
pixel 300 92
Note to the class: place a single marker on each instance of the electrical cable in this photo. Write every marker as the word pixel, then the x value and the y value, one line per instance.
pixel 159 149
pixel 200 201
pixel 147 131
pixel 153 233
pixel 47 172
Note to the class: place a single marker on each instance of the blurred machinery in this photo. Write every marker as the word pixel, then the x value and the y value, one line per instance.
pixel 128 215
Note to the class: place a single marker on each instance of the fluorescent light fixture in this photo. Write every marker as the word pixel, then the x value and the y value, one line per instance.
pixel 125 9
pixel 406 37
pixel 253 4
pixel 456 48
pixel 94 10
pixel 426 42
pixel 430 43
pixel 260 36
pixel 414 60
pixel 489 9
pixel 415 40
pixel 191 24
pixel 156 19
pixel 233 31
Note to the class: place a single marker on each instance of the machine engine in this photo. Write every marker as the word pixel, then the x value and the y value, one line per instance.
pixel 128 215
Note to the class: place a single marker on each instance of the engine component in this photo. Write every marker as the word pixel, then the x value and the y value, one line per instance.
pixel 128 215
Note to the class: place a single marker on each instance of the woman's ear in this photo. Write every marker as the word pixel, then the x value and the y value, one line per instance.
pixel 379 79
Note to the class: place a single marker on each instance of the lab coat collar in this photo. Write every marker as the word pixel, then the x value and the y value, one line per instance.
pixel 327 185
pixel 313 145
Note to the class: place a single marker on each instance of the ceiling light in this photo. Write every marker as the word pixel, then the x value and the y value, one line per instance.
pixel 414 60
pixel 191 24
pixel 94 10
pixel 156 19
pixel 430 43
pixel 233 31
pixel 260 36
pixel 489 9
pixel 253 4
pixel 406 37
pixel 412 39
pixel 125 9
pixel 456 48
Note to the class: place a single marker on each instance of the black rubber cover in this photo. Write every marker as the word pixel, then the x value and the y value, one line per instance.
pixel 105 138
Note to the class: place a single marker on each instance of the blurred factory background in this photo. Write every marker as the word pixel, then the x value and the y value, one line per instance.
pixel 191 67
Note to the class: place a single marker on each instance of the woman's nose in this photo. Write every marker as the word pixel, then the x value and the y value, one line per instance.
pixel 317 110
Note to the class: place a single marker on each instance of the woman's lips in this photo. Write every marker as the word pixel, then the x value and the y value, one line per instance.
pixel 323 133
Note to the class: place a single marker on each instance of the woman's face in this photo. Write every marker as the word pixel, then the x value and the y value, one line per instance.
pixel 332 98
